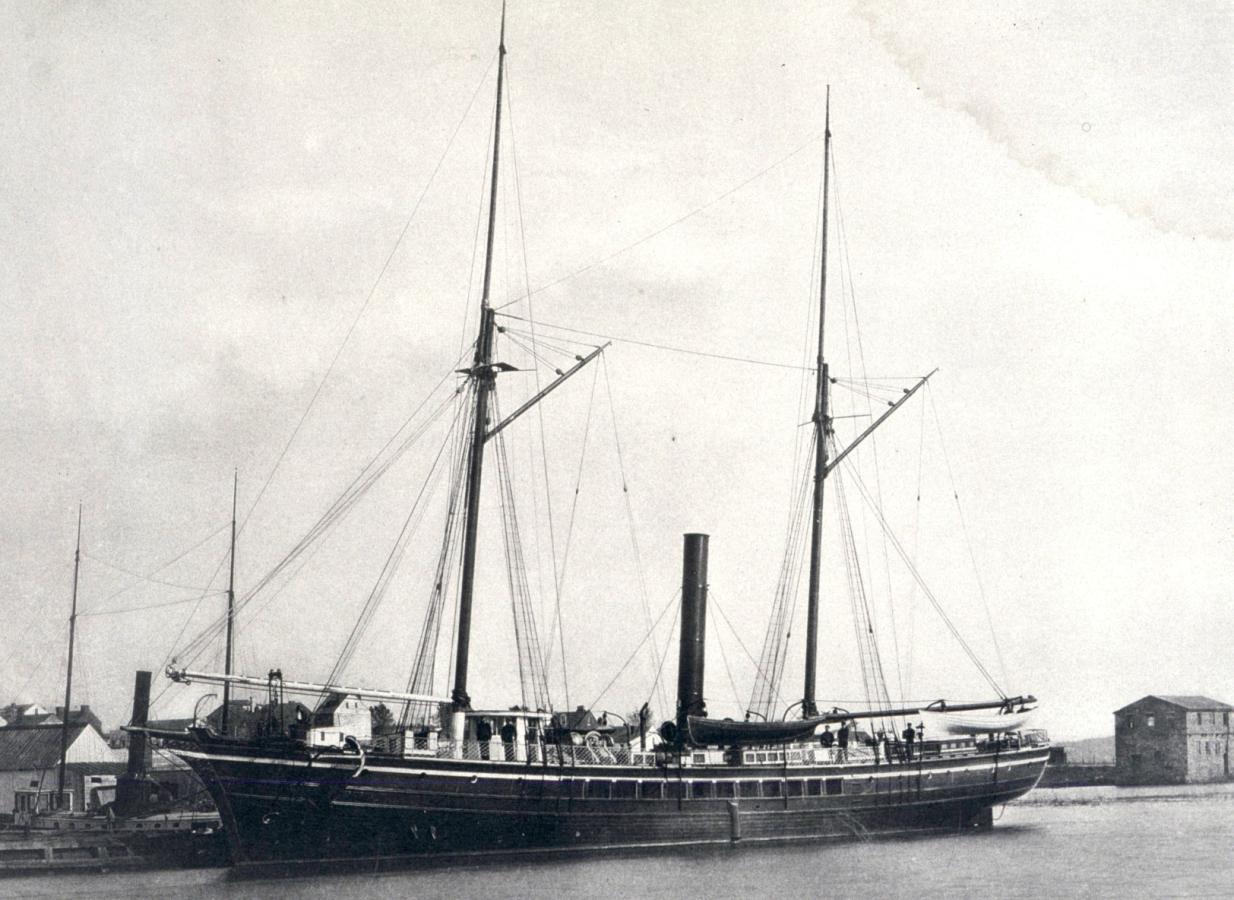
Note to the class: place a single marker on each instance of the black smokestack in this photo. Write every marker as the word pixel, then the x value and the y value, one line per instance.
pixel 693 630
pixel 139 746
pixel 132 788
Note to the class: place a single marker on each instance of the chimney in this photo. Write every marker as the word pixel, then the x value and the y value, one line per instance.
pixel 693 631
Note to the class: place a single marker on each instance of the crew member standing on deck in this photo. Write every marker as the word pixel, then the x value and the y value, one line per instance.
pixel 842 739
pixel 908 736
pixel 827 739
pixel 508 732
pixel 484 734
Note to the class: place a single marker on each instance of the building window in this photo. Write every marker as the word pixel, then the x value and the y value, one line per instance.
pixel 1131 723
pixel 1151 721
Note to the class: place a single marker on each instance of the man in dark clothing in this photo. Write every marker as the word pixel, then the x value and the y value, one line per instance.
pixel 842 738
pixel 827 739
pixel 484 734
pixel 908 736
pixel 508 731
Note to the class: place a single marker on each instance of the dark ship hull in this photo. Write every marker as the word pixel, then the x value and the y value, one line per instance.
pixel 292 806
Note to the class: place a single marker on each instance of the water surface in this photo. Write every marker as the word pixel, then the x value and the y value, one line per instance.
pixel 1075 842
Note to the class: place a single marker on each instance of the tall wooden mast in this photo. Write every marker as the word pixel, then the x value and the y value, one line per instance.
pixel 484 376
pixel 68 679
pixel 822 426
pixel 231 609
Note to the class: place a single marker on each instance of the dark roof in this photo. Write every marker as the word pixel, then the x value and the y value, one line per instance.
pixel 1189 702
pixel 33 746
pixel 96 768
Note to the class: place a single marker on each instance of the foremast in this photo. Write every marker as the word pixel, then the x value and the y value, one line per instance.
pixel 822 428
pixel 484 376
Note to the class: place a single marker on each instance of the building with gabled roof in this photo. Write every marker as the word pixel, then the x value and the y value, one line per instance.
pixel 30 762
pixel 28 714
pixel 1172 739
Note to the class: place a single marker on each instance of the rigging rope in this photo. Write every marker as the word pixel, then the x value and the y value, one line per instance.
pixel 637 647
pixel 342 504
pixel 393 558
pixel 656 346
pixel 842 235
pixel 770 666
pixel 533 680
pixel 449 561
pixel 565 556
pixel 899 548
pixel 367 300
pixel 625 494
pixel 967 540
pixel 548 497
pixel 677 221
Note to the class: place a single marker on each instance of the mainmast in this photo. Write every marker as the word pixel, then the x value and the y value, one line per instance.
pixel 822 426
pixel 231 608
pixel 68 680
pixel 484 376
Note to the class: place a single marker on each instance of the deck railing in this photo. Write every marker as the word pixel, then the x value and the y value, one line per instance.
pixel 600 753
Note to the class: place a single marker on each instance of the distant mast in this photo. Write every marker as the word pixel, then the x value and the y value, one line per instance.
pixel 231 608
pixel 822 425
pixel 68 680
pixel 484 375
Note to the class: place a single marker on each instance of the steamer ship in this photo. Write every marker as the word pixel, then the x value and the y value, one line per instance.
pixel 444 785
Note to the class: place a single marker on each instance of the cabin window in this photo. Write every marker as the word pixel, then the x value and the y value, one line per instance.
pixel 814 787
pixel 725 789
pixel 650 790
pixel 624 790
pixel 701 790
pixel 835 786
pixel 771 788
pixel 794 788
pixel 600 790
pixel 749 788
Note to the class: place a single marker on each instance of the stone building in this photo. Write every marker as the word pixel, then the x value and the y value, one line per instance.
pixel 1162 739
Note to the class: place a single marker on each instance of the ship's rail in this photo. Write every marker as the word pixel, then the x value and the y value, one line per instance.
pixel 599 752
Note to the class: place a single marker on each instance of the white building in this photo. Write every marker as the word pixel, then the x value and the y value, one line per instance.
pixel 30 762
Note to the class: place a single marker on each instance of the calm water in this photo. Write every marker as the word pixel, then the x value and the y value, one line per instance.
pixel 1081 842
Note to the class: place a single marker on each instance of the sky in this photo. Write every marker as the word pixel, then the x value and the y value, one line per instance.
pixel 245 239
